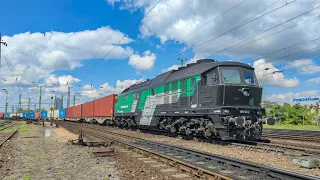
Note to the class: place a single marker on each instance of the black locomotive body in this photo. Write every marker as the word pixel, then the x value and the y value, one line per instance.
pixel 207 98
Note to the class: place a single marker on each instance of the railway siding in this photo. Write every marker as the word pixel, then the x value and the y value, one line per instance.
pixel 230 167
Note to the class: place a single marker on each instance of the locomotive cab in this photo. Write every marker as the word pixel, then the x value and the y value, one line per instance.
pixel 232 92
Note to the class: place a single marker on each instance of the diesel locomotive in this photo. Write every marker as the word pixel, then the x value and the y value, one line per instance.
pixel 203 99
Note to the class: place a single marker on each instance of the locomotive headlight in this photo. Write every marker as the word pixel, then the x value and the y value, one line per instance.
pixel 225 111
pixel 259 113
pixel 245 92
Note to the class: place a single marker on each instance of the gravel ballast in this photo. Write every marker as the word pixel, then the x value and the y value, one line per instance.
pixel 45 153
pixel 267 158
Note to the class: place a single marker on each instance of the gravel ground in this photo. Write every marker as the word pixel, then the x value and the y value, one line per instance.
pixel 36 155
pixel 50 158
pixel 266 158
pixel 132 169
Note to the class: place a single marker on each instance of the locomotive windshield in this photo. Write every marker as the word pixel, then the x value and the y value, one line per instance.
pixel 231 76
pixel 238 76
pixel 248 77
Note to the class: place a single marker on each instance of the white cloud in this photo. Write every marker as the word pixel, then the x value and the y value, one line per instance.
pixel 287 97
pixel 88 92
pixel 143 62
pixel 174 20
pixel 304 66
pixel 173 67
pixel 94 93
pixel 87 86
pixel 61 83
pixel 314 80
pixel 119 86
pixel 266 76
pixel 34 56
pixel 61 80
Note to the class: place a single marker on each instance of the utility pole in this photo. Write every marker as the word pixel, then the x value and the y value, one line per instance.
pixel 182 60
pixel 55 102
pixel 4 43
pixel 61 102
pixel 74 100
pixel 6 105
pixel 12 108
pixel 28 107
pixel 40 98
pixel 68 100
pixel 35 106
pixel 19 102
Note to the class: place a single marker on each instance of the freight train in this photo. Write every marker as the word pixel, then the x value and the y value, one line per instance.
pixel 208 99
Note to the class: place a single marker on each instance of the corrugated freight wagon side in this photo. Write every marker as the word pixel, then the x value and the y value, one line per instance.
pixel 53 114
pixel 31 115
pixel 12 115
pixel 74 113
pixel 56 114
pixel 25 115
pixel 44 114
pixel 7 116
pixel 37 115
pixel 62 113
pixel 1 115
pixel 87 111
pixel 104 108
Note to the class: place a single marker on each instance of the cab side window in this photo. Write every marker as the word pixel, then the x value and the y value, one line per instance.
pixel 212 78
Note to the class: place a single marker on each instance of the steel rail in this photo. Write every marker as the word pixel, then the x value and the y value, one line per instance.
pixel 174 153
pixel 185 166
pixel 301 135
pixel 9 137
pixel 284 149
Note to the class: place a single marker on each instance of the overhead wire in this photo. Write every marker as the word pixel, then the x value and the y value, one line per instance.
pixel 240 25
pixel 264 31
pixel 223 13
pixel 125 35
pixel 230 30
pixel 215 18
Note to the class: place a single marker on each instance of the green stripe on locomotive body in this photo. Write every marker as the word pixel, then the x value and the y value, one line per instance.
pixel 124 103
pixel 184 88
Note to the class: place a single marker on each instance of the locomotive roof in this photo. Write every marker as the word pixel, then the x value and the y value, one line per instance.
pixel 201 66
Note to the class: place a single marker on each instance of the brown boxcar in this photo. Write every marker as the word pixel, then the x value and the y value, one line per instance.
pixel 74 111
pixel 104 107
pixel 37 115
pixel 1 115
pixel 87 109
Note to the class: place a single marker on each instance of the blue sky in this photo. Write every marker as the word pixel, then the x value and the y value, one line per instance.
pixel 59 42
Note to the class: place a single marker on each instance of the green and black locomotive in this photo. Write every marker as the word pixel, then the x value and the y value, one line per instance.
pixel 207 99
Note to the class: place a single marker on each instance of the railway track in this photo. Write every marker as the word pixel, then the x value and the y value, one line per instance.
pixel 285 149
pixel 198 163
pixel 300 135
pixel 6 127
pixel 6 136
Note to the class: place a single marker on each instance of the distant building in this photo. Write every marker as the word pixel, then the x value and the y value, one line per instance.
pixel 264 103
pixel 58 103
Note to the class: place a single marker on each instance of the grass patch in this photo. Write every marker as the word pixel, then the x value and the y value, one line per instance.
pixel 20 124
pixel 9 130
pixel 27 177
pixel 59 171
pixel 24 128
pixel 293 127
